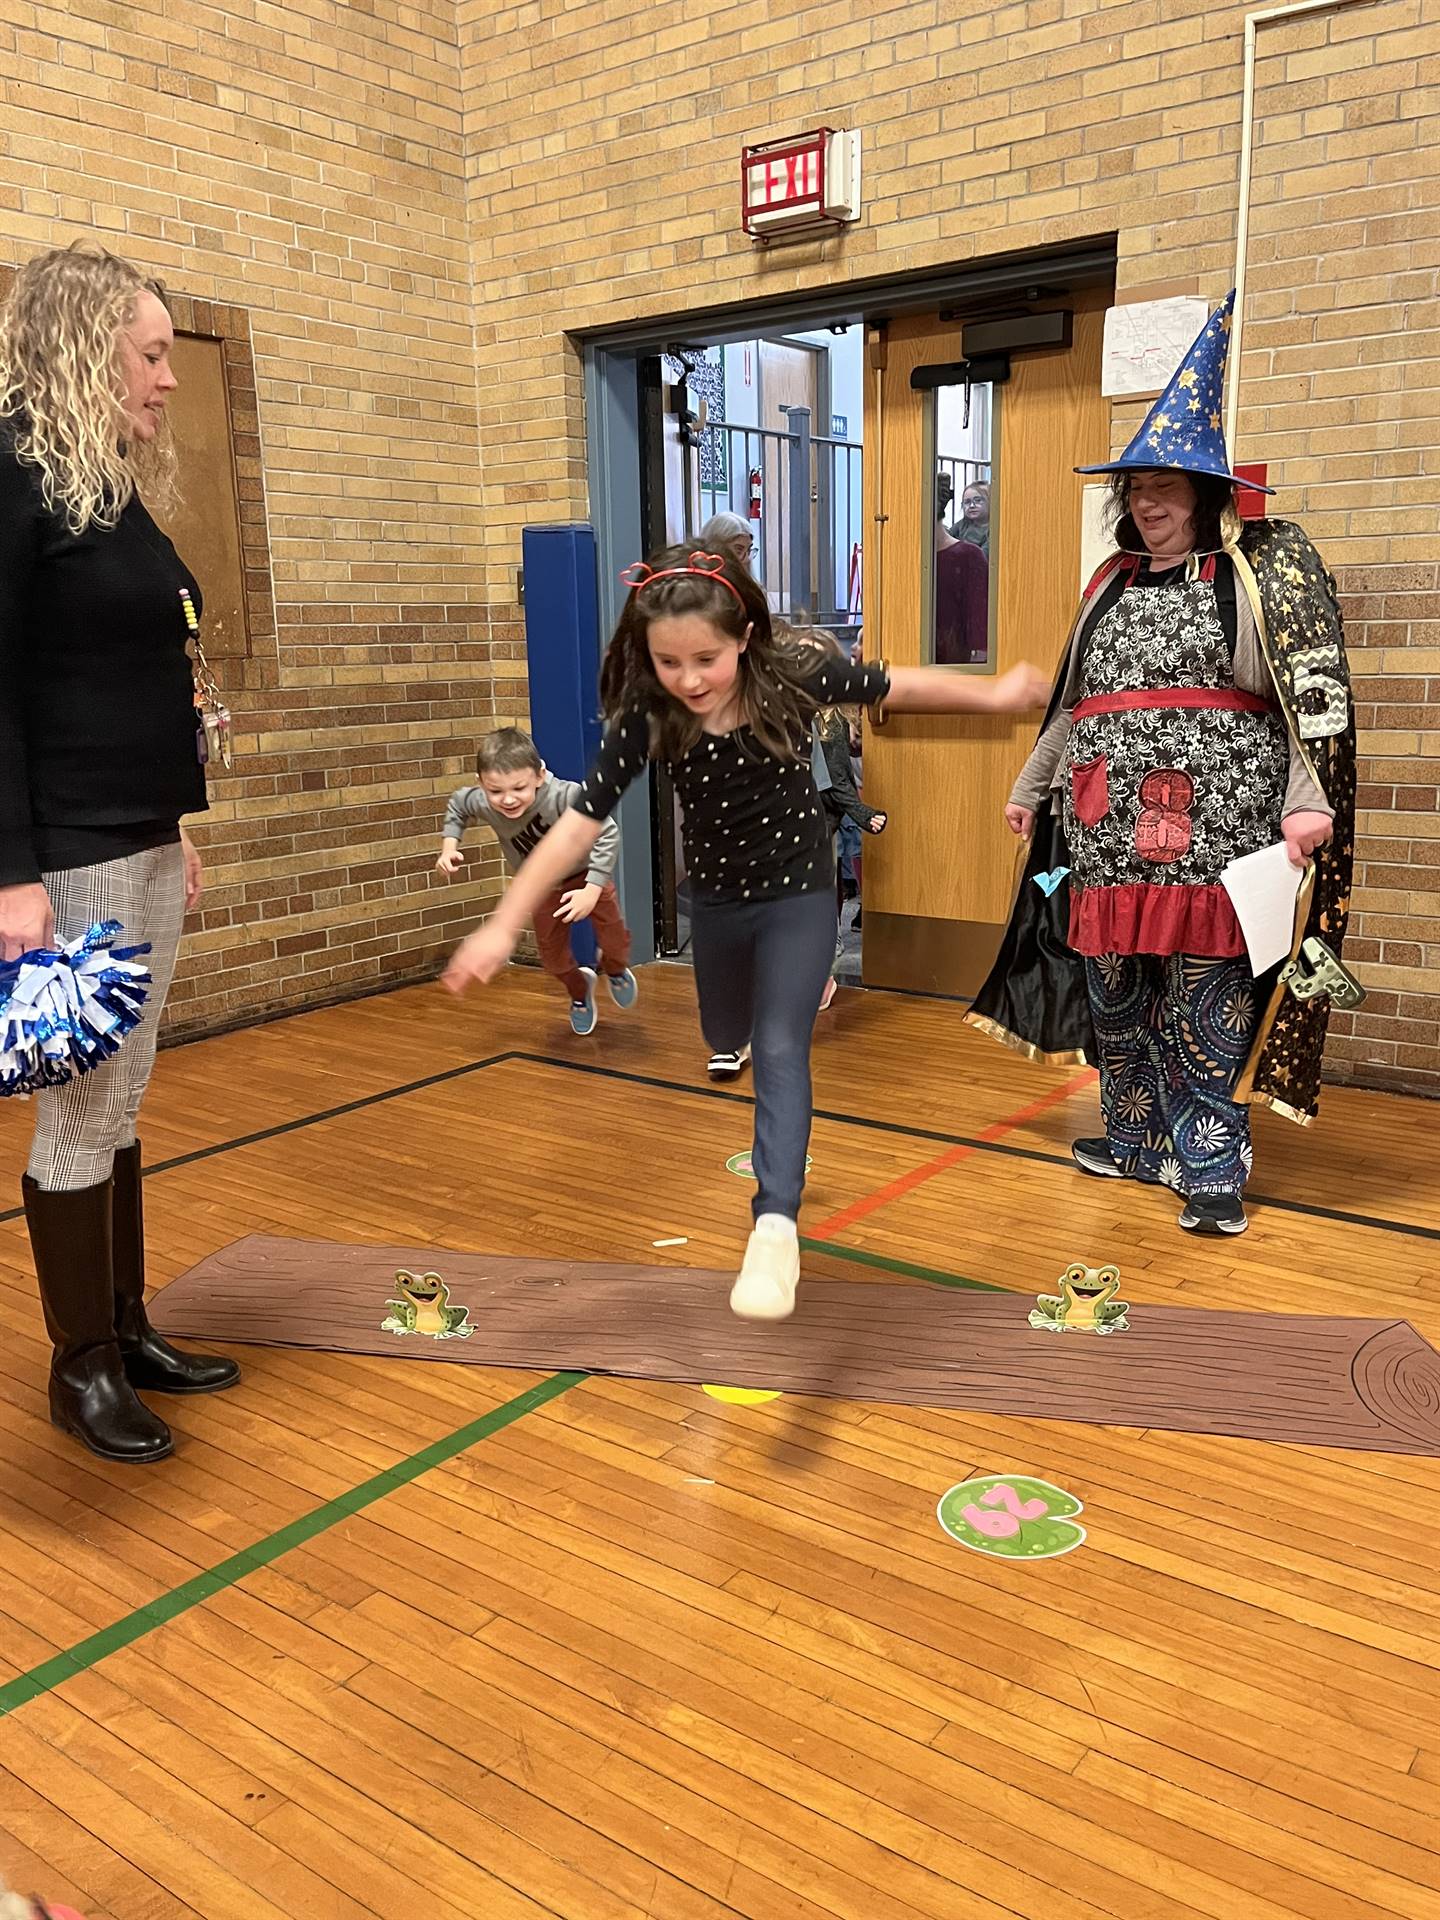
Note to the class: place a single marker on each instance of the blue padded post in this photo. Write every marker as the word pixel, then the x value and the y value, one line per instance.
pixel 562 651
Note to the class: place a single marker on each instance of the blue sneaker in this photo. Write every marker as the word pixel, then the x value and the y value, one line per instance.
pixel 583 1016
pixel 624 989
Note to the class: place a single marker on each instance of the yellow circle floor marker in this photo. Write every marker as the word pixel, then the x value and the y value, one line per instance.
pixel 743 1396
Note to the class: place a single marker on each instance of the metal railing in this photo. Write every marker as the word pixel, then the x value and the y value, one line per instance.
pixel 808 532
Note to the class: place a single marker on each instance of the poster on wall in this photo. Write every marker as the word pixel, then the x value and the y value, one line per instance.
pixel 707 383
pixel 1145 341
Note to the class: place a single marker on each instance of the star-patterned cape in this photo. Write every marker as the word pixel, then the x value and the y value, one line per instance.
pixel 1035 999
pixel 1183 429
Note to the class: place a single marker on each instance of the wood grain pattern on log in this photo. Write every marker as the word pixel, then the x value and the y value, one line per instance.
pixel 1372 1385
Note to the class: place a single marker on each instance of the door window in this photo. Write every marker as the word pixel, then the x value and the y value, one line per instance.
pixel 958 561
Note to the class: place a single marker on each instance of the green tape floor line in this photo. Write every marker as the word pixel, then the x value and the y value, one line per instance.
pixel 911 1271
pixel 134 1626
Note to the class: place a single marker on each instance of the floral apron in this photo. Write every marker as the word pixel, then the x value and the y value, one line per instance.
pixel 1171 773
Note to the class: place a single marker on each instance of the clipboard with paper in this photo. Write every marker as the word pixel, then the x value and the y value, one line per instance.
pixel 1271 898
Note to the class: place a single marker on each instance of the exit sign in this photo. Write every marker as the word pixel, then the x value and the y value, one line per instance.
pixel 801 186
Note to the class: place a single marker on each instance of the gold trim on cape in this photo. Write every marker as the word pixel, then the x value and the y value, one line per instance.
pixel 994 1031
pixel 1277 1105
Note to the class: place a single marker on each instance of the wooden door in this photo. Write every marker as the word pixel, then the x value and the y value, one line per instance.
pixel 788 378
pixel 938 884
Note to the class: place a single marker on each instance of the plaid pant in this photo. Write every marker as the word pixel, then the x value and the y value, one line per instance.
pixel 79 1126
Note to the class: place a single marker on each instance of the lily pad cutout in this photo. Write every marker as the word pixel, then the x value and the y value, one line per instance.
pixel 741 1164
pixel 1012 1516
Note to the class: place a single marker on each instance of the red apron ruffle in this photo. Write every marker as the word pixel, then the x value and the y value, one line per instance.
pixel 1154 919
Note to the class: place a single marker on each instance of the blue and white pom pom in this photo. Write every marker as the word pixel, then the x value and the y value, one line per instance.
pixel 65 1010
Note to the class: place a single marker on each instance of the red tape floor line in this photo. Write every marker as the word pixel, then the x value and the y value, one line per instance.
pixel 907 1182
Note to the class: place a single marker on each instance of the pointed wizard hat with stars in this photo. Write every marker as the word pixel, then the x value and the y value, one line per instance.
pixel 1182 431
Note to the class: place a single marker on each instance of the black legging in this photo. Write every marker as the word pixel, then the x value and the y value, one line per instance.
pixel 760 968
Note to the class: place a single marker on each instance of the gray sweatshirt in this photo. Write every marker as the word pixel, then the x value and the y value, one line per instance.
pixel 469 807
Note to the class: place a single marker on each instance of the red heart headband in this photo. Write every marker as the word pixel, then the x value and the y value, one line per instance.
pixel 708 566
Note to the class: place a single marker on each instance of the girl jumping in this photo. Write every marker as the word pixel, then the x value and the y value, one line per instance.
pixel 695 678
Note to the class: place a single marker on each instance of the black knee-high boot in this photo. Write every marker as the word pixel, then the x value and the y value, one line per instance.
pixel 150 1361
pixel 89 1393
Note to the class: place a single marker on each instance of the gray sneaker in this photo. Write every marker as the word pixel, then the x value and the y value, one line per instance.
pixel 624 989
pixel 583 1016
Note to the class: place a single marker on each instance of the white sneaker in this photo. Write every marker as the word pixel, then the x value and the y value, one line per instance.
pixel 769 1275
pixel 727 1066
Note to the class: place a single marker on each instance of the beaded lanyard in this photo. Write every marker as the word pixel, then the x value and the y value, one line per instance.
pixel 213 729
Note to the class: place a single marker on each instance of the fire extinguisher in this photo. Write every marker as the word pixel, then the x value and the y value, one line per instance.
pixel 755 492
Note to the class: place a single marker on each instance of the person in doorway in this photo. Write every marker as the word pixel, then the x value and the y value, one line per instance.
pixel 973 526
pixel 728 533
pixel 962 594
pixel 1201 714
pixel 840 798
pixel 99 760
pixel 695 678
pixel 520 800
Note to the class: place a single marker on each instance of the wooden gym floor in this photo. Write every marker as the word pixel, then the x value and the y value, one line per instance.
pixel 439 1641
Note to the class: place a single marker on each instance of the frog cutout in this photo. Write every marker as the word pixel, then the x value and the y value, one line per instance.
pixel 1163 830
pixel 423 1307
pixel 1086 1302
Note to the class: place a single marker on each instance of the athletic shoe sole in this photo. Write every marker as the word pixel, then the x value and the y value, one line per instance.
pixel 1192 1223
pixel 1098 1170
pixel 728 1068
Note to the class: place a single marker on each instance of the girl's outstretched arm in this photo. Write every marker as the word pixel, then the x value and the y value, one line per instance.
pixel 565 850
pixel 941 690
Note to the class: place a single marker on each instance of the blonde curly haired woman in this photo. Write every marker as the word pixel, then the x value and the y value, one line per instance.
pixel 98 762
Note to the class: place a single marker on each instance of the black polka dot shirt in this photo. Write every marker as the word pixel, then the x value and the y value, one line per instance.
pixel 753 826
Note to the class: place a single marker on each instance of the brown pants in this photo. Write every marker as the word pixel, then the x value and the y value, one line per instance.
pixel 552 936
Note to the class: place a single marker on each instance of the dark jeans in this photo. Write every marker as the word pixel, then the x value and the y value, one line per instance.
pixel 760 968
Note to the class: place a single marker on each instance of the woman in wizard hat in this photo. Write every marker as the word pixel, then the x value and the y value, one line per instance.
pixel 1201 713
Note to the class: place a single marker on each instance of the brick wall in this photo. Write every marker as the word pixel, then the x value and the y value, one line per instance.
pixel 987 130
pixel 1394 634
pixel 415 202
pixel 303 162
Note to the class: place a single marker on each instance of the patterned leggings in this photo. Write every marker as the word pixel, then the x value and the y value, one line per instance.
pixel 1174 1035
pixel 79 1126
